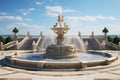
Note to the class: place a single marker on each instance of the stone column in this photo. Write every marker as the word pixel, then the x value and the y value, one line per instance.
pixel 79 34
pixel 103 44
pixel 1 45
pixel 28 33
pixel 92 34
pixel 105 37
pixel 34 46
pixel 16 44
pixel 119 43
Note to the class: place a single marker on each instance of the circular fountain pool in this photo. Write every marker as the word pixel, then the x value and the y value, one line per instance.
pixel 84 56
pixel 36 61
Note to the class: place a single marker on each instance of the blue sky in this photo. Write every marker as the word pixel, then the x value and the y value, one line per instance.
pixel 40 15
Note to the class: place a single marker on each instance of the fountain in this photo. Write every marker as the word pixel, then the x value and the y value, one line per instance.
pixel 60 50
pixel 60 55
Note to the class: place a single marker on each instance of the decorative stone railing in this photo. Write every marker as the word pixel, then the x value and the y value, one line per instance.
pixel 96 40
pixel 8 45
pixel 39 41
pixel 112 44
pixel 23 41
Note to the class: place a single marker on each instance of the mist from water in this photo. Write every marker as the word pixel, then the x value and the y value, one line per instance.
pixel 75 40
pixel 69 40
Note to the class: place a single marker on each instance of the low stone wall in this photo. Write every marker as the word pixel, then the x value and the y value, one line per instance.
pixel 62 65
pixel 39 65
pixel 57 65
pixel 26 63
pixel 15 78
pixel 92 63
pixel 8 45
pixel 23 41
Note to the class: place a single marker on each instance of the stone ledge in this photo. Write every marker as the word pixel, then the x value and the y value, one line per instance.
pixel 15 79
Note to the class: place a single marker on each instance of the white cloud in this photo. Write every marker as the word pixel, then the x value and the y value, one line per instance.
pixel 23 25
pixel 105 17
pixel 3 13
pixel 52 14
pixel 78 18
pixel 100 17
pixel 54 10
pixel 53 1
pixel 50 0
pixel 91 18
pixel 39 3
pixel 32 28
pixel 86 24
pixel 68 10
pixel 27 11
pixel 24 13
pixel 88 18
pixel 28 19
pixel 18 18
pixel 111 18
pixel 27 26
pixel 31 9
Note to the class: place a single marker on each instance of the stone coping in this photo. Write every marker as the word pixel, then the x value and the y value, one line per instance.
pixel 15 79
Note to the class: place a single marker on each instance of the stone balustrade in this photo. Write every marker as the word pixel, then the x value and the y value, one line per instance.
pixel 22 42
pixel 96 40
pixel 112 44
pixel 38 41
pixel 99 44
pixel 13 43
pixel 35 45
pixel 8 45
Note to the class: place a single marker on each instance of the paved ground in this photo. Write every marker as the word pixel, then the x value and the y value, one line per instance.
pixel 112 72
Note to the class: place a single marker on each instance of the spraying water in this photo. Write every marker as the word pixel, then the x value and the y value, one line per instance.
pixel 69 40
pixel 75 40
pixel 48 40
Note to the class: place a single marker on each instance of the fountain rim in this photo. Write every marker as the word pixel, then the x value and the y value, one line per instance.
pixel 46 65
pixel 107 55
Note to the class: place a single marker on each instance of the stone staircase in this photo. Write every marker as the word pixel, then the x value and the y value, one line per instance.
pixel 92 44
pixel 112 46
pixel 28 44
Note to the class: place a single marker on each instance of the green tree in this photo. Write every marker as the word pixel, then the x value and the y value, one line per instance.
pixel 2 39
pixel 116 40
pixel 105 31
pixel 8 39
pixel 110 39
pixel 15 31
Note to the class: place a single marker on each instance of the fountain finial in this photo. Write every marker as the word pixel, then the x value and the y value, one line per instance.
pixel 60 28
pixel 60 18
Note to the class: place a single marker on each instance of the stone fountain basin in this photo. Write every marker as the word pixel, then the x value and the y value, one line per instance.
pixel 44 65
